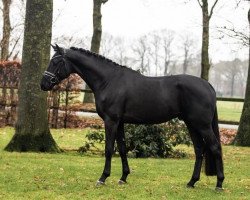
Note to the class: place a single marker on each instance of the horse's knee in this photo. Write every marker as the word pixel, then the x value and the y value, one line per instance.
pixel 109 152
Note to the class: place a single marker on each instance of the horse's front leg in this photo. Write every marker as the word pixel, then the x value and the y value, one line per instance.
pixel 120 138
pixel 110 134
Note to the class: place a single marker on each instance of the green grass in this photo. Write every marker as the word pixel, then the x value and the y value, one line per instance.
pixel 73 176
pixel 229 111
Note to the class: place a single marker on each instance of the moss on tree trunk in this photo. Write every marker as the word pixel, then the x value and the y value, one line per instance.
pixel 31 131
pixel 243 135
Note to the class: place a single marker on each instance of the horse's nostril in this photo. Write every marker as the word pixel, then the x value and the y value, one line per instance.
pixel 43 87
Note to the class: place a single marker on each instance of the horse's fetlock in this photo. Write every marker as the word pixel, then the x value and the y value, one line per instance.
pixel 126 172
pixel 195 178
pixel 106 174
pixel 221 178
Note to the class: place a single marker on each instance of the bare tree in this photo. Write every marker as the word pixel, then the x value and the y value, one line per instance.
pixel 12 32
pixel 120 52
pixel 96 38
pixel 235 34
pixel 206 16
pixel 108 44
pixel 141 49
pixel 5 42
pixel 156 44
pixel 242 78
pixel 97 25
pixel 69 41
pixel 187 47
pixel 229 77
pixel 167 40
pixel 231 72
pixel 229 30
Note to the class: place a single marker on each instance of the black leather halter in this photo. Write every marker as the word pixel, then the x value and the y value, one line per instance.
pixel 51 76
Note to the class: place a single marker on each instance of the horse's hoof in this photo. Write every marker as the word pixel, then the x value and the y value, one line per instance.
pixel 190 186
pixel 219 189
pixel 121 182
pixel 99 183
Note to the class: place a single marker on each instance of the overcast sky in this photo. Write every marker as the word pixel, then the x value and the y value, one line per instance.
pixel 133 18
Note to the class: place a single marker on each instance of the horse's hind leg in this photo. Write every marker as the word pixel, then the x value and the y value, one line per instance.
pixel 123 153
pixel 199 146
pixel 216 154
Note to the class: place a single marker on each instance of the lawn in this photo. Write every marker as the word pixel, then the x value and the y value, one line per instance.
pixel 70 175
pixel 229 111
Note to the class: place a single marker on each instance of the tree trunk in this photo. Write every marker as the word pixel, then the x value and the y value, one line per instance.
pixel 166 64
pixel 185 63
pixel 243 135
pixel 205 65
pixel 96 39
pixel 97 26
pixel 232 85
pixel 6 30
pixel 32 132
pixel 55 104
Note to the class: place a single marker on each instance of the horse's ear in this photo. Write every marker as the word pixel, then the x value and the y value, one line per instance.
pixel 59 50
pixel 53 46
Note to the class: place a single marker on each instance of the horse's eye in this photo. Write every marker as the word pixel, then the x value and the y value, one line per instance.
pixel 53 80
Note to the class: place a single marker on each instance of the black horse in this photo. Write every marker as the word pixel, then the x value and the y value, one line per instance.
pixel 123 96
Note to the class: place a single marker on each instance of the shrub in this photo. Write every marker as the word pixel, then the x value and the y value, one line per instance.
pixel 147 140
pixel 93 138
pixel 156 140
pixel 177 132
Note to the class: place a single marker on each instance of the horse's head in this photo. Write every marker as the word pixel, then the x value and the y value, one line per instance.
pixel 57 70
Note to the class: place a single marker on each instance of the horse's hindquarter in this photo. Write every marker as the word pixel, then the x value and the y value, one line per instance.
pixel 198 99
pixel 151 100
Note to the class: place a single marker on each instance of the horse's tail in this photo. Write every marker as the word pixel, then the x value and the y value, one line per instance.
pixel 210 164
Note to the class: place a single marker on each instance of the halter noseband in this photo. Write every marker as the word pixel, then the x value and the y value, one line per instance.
pixel 52 77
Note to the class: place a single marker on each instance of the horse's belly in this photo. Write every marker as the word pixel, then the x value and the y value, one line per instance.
pixel 149 117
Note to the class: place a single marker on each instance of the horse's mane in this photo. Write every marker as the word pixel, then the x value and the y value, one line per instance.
pixel 99 56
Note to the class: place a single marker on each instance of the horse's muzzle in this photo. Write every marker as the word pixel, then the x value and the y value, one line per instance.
pixel 45 85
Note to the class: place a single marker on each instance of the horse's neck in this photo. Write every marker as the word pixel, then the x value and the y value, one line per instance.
pixel 90 69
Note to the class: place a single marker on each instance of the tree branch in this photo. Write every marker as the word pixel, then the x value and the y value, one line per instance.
pixel 14 46
pixel 237 35
pixel 104 1
pixel 199 3
pixel 212 9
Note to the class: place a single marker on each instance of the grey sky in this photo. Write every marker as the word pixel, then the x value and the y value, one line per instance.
pixel 132 18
